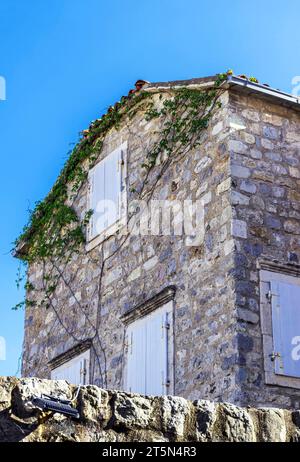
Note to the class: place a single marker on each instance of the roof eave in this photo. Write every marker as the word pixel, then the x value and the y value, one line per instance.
pixel 240 84
pixel 21 250
pixel 201 81
pixel 236 83
pixel 263 91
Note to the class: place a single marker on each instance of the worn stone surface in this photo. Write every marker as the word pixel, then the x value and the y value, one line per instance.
pixel 272 425
pixel 238 425
pixel 143 268
pixel 252 178
pixel 112 416
pixel 271 183
pixel 206 415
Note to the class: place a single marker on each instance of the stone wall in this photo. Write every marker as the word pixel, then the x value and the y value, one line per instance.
pixel 111 416
pixel 247 170
pixel 204 307
pixel 265 168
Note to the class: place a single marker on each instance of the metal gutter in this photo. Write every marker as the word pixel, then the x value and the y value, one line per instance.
pixel 251 88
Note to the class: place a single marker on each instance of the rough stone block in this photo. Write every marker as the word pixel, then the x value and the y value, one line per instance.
pixel 273 426
pixel 240 171
pixel 239 229
pixel 237 424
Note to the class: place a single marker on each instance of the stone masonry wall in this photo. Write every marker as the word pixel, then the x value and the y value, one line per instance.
pixel 110 416
pixel 205 337
pixel 247 170
pixel 265 168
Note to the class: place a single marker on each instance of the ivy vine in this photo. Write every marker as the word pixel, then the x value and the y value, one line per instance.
pixel 54 225
pixel 55 232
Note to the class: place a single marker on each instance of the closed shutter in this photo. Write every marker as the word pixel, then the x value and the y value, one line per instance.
pixel 113 186
pixel 136 365
pixel 157 328
pixel 97 197
pixel 69 372
pixel 286 328
pixel 75 371
pixel 149 360
pixel 106 192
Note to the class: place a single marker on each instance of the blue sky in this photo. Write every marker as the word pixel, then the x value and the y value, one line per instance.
pixel 65 61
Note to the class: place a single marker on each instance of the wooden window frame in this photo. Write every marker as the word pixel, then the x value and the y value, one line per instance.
pixel 274 271
pixel 164 298
pixel 83 348
pixel 119 224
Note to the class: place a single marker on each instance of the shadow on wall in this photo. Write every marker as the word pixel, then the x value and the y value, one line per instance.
pixel 13 430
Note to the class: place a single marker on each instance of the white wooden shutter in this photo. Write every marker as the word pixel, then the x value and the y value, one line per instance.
pixel 286 328
pixel 136 366
pixel 113 186
pixel 70 372
pixel 149 360
pixel 156 353
pixel 105 189
pixel 75 371
pixel 97 196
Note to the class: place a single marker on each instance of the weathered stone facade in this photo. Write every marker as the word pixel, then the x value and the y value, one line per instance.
pixel 265 166
pixel 110 416
pixel 247 171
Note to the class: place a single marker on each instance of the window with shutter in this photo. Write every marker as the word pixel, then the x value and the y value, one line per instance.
pixel 149 353
pixel 107 193
pixel 75 371
pixel 285 299
pixel 280 323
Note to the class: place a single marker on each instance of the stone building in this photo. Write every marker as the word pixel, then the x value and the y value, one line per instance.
pixel 213 316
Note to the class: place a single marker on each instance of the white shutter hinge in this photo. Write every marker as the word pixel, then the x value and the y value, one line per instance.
pixel 274 356
pixel 270 295
pixel 277 356
pixel 128 345
pixel 165 326
pixel 83 372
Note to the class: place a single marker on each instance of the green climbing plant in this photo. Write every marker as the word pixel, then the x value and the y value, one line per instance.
pixel 54 231
pixel 186 114
pixel 54 225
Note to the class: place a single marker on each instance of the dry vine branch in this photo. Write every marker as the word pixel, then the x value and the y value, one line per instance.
pixel 180 137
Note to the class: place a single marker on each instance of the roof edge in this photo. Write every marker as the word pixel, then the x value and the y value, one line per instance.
pixel 241 84
pixel 237 83
pixel 182 83
pixel 250 88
